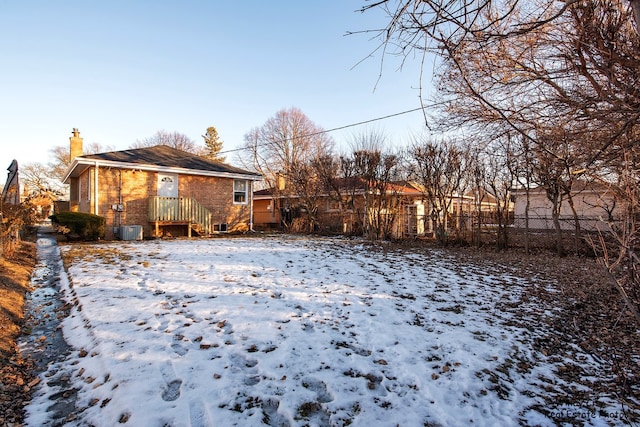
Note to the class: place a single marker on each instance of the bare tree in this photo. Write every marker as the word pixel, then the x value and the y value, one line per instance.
pixel 522 65
pixel 476 169
pixel 288 138
pixel 171 139
pixel 372 171
pixel 282 150
pixel 440 170
pixel 341 184
pixel 617 241
pixel 521 165
pixel 499 181
pixel 60 162
pixel 308 188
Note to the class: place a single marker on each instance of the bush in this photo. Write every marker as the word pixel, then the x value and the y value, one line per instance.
pixel 83 225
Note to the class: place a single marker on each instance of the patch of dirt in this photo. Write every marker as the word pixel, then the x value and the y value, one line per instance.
pixel 16 378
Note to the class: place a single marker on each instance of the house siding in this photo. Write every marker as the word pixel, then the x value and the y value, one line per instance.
pixel 591 208
pixel 264 213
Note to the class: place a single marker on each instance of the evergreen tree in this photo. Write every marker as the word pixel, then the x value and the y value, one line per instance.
pixel 213 144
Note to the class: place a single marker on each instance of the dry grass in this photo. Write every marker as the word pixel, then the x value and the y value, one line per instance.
pixel 16 374
pixel 15 274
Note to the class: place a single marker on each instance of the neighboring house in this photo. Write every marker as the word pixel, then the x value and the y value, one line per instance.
pixel 406 209
pixel 594 204
pixel 274 208
pixel 465 211
pixel 159 190
pixel 11 189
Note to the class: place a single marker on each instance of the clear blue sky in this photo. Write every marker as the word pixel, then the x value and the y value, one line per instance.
pixel 122 70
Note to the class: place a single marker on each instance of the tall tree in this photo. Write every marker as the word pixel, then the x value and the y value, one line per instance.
pixel 213 145
pixel 563 82
pixel 283 150
pixel 288 138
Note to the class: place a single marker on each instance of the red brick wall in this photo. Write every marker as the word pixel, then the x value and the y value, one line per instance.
pixel 216 194
pixel 132 189
pixel 79 193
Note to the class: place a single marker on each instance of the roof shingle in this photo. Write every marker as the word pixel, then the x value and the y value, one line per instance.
pixel 165 156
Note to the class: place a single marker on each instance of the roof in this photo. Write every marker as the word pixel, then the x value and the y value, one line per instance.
pixel 11 189
pixel 159 158
pixel 353 184
pixel 577 187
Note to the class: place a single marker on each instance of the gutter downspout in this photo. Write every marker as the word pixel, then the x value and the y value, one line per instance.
pixel 251 207
pixel 119 211
pixel 95 190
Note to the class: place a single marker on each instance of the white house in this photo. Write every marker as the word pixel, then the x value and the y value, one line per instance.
pixel 595 205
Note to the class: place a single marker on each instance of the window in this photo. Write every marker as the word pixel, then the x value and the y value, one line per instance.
pixel 240 191
pixel 333 205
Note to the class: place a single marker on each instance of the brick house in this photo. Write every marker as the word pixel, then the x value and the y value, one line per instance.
pixel 160 191
pixel 403 207
pixel 345 211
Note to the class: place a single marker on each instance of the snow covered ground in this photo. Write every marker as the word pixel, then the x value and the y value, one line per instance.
pixel 284 331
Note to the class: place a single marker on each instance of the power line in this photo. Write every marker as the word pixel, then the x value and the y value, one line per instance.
pixel 330 130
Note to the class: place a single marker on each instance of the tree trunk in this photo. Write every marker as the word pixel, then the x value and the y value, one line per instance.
pixel 501 241
pixel 635 5
pixel 555 214
pixel 578 233
pixel 479 230
pixel 527 249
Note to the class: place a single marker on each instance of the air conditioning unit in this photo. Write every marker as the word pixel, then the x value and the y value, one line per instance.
pixel 131 232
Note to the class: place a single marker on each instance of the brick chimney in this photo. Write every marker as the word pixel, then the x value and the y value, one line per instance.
pixel 75 145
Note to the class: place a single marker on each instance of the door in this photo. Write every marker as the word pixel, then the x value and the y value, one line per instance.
pixel 167 185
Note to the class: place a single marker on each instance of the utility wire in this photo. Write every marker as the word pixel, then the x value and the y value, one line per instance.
pixel 327 130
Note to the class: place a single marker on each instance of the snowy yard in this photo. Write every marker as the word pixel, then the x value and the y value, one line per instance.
pixel 295 331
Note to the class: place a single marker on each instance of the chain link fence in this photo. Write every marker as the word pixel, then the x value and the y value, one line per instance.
pixel 487 228
pixel 533 233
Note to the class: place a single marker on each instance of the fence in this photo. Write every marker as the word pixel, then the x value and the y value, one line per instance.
pixel 482 228
pixel 536 232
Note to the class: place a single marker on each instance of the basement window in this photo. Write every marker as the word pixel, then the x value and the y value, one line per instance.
pixel 240 191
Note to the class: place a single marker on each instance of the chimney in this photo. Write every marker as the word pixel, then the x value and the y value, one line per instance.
pixel 75 146
pixel 281 182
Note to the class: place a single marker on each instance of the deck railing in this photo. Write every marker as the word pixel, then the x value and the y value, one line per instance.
pixel 180 210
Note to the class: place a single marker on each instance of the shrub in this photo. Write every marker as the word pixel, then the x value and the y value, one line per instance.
pixel 83 225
